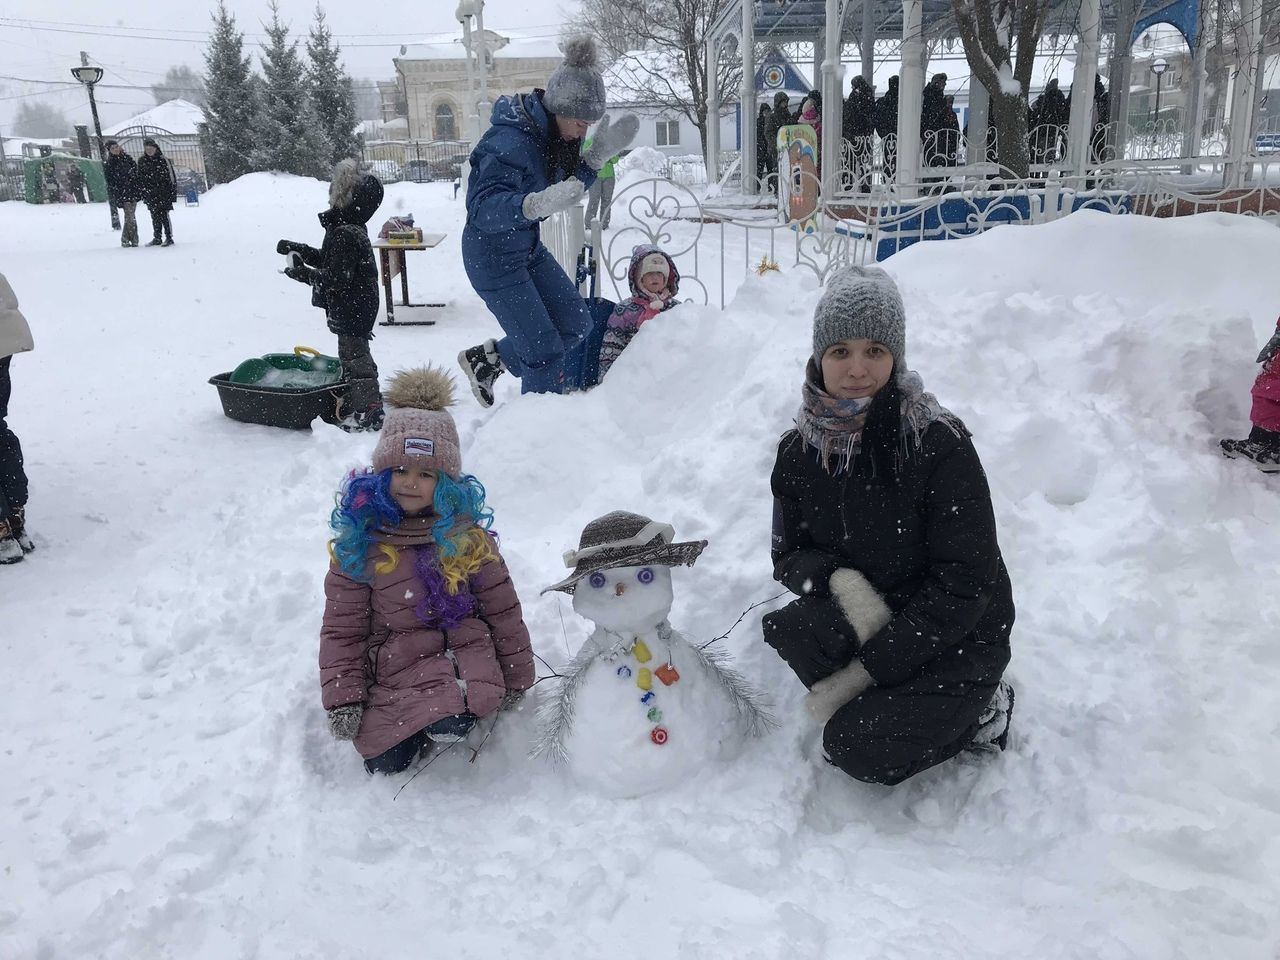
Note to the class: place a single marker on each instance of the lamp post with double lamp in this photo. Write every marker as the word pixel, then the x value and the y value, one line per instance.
pixel 1158 66
pixel 89 76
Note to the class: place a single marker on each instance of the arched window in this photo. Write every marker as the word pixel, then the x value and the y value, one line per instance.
pixel 444 127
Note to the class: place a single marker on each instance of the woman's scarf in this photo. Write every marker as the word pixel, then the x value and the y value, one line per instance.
pixel 835 427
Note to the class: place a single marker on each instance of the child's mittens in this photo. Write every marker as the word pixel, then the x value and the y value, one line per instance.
pixel 344 721
pixel 512 700
pixel 300 272
pixel 1271 349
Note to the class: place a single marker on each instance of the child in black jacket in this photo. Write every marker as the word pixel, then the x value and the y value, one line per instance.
pixel 343 275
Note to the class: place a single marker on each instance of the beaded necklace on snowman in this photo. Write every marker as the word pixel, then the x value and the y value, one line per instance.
pixel 643 675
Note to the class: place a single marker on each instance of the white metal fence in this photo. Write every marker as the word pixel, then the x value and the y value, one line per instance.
pixel 718 242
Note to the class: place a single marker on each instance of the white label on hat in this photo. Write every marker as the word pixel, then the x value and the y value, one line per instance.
pixel 419 447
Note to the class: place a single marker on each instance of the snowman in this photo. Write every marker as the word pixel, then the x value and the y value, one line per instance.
pixel 640 708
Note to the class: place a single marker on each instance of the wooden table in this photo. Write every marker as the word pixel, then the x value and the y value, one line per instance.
pixel 390 265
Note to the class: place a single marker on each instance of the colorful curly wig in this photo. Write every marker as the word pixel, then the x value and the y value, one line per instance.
pixel 462 540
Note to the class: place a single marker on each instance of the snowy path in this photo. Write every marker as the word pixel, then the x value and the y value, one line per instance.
pixel 168 786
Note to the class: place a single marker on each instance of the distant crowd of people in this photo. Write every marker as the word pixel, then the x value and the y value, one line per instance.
pixel 863 115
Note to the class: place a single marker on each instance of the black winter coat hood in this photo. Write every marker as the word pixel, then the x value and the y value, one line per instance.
pixel 366 197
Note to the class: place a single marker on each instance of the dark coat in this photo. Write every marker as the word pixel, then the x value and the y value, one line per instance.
pixel 887 110
pixel 509 163
pixel 767 132
pixel 122 179
pixel 157 181
pixel 934 109
pixel 782 115
pixel 344 273
pixel 925 539
pixel 1051 108
pixel 859 114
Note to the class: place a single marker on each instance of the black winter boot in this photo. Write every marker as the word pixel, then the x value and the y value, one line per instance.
pixel 995 720
pixel 1261 448
pixel 18 528
pixel 10 550
pixel 483 366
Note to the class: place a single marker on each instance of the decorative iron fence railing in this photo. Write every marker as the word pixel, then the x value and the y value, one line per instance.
pixel 717 242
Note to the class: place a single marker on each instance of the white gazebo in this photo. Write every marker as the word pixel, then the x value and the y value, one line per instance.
pixel 830 24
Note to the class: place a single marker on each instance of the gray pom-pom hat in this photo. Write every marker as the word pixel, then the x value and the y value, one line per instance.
pixel 575 90
pixel 622 539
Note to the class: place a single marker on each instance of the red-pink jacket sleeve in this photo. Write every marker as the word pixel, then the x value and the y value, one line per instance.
pixel 498 605
pixel 344 635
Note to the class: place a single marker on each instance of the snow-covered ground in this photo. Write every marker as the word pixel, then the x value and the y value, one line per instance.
pixel 167 784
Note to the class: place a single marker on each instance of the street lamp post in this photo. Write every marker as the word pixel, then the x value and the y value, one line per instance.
pixel 89 76
pixel 1158 66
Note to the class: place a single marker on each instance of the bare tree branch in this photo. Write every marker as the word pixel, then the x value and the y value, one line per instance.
pixel 668 39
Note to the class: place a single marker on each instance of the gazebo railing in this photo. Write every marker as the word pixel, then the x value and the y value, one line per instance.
pixel 718 243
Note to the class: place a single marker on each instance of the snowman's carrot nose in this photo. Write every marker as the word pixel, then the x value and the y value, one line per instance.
pixel 619 589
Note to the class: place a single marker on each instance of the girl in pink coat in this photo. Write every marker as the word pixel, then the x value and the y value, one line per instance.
pixel 423 632
pixel 654 282
pixel 1262 446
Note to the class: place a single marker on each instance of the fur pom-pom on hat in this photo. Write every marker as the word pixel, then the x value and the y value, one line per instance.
pixel 418 430
pixel 581 52
pixel 576 89
pixel 423 388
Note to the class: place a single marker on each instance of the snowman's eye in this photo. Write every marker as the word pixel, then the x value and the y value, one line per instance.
pixel 645 575
pixel 597 580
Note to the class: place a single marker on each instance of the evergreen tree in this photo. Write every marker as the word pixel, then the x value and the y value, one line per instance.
pixel 227 137
pixel 331 93
pixel 289 136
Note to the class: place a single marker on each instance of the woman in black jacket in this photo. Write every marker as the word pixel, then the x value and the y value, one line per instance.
pixel 159 186
pixel 883 527
pixel 122 190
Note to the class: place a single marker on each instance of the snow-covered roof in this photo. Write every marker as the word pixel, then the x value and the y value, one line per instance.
pixel 13 145
pixel 176 116
pixel 448 46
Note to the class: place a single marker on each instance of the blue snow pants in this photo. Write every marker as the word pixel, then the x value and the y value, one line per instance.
pixel 539 310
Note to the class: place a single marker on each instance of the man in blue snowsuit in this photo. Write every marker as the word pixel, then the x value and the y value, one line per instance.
pixel 528 166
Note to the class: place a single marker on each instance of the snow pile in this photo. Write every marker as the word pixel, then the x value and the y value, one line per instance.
pixel 642 160
pixel 171 788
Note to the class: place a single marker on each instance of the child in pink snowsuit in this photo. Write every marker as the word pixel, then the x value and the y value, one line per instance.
pixel 1262 446
pixel 654 282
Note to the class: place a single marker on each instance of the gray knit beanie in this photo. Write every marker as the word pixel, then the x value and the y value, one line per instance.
pixel 575 89
pixel 861 303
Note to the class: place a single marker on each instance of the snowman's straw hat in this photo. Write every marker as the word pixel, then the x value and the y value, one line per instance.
pixel 622 539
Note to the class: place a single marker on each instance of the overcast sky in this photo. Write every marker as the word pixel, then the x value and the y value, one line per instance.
pixel 135 41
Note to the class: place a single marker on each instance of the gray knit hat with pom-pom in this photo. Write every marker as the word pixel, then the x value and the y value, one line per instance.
pixel 861 303
pixel 575 89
